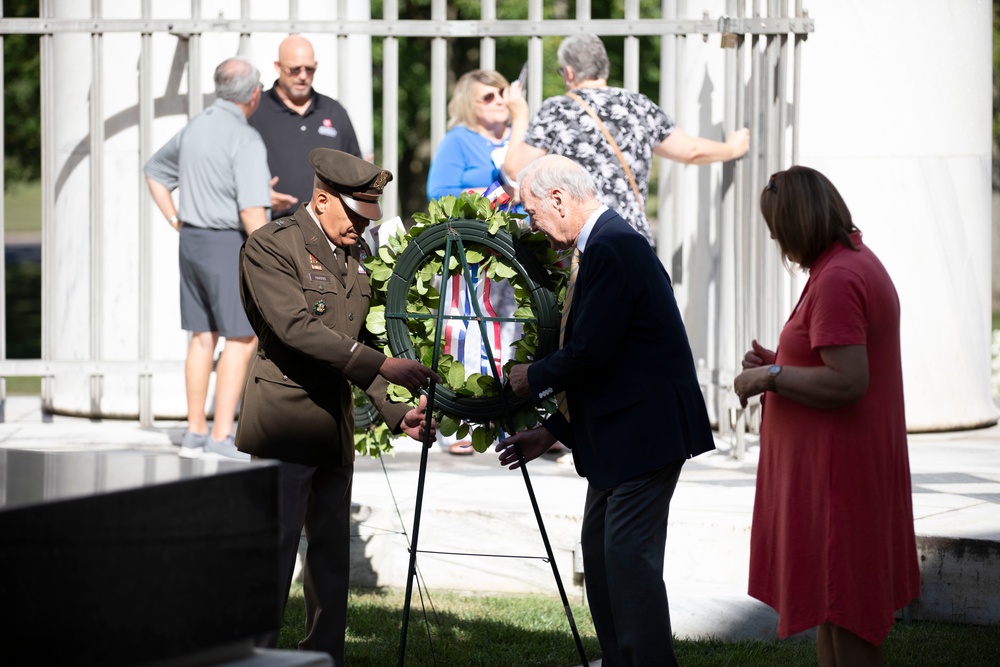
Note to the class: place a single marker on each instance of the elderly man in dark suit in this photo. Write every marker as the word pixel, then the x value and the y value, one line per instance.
pixel 630 407
pixel 306 294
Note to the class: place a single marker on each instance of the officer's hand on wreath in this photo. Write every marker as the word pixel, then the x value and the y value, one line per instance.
pixel 414 422
pixel 407 373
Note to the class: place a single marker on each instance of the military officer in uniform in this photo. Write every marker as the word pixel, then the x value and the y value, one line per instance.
pixel 306 294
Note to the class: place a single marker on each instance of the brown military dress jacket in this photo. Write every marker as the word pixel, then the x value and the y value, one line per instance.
pixel 308 311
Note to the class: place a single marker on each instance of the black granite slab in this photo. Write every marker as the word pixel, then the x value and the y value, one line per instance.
pixel 121 558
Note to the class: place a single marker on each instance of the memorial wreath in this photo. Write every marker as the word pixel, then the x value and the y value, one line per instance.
pixel 406 276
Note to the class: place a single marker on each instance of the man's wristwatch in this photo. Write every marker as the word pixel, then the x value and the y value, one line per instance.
pixel 173 220
pixel 772 377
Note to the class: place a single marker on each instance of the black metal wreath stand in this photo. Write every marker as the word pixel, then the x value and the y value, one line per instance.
pixel 453 235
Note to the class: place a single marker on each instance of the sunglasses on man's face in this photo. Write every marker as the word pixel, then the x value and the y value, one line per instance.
pixel 294 71
pixel 490 96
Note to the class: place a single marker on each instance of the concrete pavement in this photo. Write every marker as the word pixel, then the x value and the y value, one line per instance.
pixel 473 506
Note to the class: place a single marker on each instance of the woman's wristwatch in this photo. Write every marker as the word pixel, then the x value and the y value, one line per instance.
pixel 772 377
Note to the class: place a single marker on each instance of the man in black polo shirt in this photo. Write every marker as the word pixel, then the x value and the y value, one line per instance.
pixel 293 119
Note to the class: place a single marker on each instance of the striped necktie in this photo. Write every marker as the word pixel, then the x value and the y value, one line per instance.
pixel 574 267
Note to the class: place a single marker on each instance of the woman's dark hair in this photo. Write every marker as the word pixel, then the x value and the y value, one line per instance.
pixel 805 214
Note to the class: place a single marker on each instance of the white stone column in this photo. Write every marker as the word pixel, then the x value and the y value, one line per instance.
pixel 896 110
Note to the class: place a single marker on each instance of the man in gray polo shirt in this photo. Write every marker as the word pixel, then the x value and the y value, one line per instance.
pixel 219 165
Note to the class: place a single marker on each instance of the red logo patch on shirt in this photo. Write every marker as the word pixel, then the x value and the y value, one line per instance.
pixel 327 122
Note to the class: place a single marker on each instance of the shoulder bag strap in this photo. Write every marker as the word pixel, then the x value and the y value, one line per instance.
pixel 611 142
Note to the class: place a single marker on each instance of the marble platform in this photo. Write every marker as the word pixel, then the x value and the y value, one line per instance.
pixel 129 557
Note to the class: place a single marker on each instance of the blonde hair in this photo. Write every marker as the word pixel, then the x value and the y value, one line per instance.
pixel 462 106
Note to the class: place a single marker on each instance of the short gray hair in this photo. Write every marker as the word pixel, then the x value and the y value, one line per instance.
pixel 236 80
pixel 551 172
pixel 586 55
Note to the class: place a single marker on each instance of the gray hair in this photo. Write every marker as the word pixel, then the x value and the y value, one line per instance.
pixel 236 80
pixel 551 172
pixel 586 55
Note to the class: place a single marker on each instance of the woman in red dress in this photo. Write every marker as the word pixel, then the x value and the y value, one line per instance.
pixel 832 542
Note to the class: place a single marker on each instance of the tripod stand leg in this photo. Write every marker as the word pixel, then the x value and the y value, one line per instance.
pixel 411 572
pixel 551 557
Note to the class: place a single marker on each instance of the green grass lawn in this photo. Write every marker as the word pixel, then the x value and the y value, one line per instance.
pixel 532 631
pixel 23 207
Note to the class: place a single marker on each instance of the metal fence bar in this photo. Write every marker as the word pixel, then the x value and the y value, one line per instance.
pixel 48 116
pixel 667 96
pixel 536 56
pixel 36 367
pixel 731 236
pixel 630 76
pixel 3 245
pixel 390 106
pixel 796 87
pixel 145 222
pixel 96 202
pixel 344 60
pixel 439 78
pixel 488 45
pixel 753 280
pixel 435 27
pixel 672 254
pixel 194 63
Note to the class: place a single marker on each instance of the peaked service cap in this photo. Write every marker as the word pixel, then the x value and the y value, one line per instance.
pixel 358 182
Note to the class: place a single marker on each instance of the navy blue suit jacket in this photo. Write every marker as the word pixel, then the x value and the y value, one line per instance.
pixel 625 365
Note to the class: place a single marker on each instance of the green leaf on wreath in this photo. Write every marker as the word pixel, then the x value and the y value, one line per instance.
pixel 504 271
pixel 472 384
pixel 385 254
pixel 489 385
pixel 481 439
pixel 474 256
pixel 456 375
pixel 447 206
pixel 524 312
pixel 399 394
pixel 375 322
pixel 484 210
pixel 448 425
pixel 381 273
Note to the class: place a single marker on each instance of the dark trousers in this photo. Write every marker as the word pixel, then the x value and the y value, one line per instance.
pixel 320 499
pixel 624 537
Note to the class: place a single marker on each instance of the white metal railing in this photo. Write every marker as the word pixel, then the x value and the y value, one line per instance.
pixel 756 95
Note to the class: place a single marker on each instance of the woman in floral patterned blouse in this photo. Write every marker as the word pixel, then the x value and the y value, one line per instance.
pixel 639 127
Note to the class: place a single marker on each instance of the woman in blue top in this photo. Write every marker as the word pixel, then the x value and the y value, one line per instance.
pixel 470 157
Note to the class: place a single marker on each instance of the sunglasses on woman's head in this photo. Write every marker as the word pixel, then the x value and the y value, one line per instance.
pixel 771 184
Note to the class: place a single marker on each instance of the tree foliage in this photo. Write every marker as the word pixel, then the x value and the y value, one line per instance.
pixel 22 99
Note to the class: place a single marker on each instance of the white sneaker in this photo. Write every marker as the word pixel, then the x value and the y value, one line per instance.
pixel 225 448
pixel 193 445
